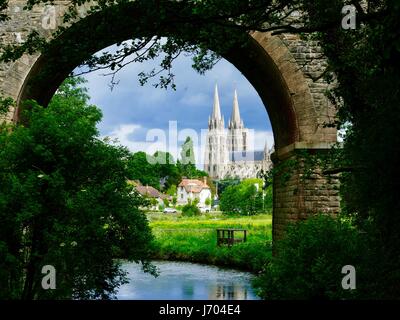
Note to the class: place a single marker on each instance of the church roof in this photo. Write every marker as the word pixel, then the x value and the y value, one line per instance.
pixel 193 185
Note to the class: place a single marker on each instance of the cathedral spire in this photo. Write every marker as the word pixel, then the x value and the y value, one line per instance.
pixel 266 150
pixel 235 121
pixel 216 121
pixel 235 110
pixel 216 109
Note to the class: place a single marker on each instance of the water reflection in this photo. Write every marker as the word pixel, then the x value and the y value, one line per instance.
pixel 187 281
pixel 228 292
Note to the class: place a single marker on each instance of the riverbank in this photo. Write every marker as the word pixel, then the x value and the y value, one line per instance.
pixel 194 239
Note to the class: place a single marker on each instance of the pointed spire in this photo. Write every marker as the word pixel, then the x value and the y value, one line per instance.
pixel 216 109
pixel 235 118
pixel 266 150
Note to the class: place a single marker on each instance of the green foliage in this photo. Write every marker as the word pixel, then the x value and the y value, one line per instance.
pixel 221 185
pixel 187 164
pixel 153 202
pixel 244 198
pixel 309 260
pixel 268 199
pixel 141 168
pixel 171 190
pixel 166 168
pixel 210 183
pixel 187 152
pixel 194 239
pixel 151 169
pixel 158 18
pixel 366 66
pixel 166 202
pixel 64 201
pixel 207 202
pixel 5 105
pixel 190 210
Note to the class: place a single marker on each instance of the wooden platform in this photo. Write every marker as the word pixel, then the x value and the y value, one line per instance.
pixel 227 236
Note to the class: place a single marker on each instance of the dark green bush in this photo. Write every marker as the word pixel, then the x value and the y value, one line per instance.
pixel 190 210
pixel 309 260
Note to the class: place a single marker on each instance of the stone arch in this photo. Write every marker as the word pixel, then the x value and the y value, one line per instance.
pixel 275 65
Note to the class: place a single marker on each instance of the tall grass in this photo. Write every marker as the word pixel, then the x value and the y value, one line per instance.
pixel 194 239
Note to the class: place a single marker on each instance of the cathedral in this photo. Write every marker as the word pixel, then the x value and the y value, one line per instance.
pixel 227 153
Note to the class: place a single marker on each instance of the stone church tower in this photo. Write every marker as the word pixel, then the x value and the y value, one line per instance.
pixel 237 133
pixel 227 153
pixel 216 155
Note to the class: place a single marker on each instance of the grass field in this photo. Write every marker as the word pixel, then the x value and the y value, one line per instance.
pixel 194 239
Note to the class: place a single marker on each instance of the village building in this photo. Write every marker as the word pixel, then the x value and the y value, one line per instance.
pixel 190 189
pixel 150 192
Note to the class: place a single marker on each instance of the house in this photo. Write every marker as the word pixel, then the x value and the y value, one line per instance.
pixel 190 189
pixel 150 193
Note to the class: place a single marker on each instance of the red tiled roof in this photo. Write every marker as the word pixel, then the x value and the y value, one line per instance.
pixel 193 185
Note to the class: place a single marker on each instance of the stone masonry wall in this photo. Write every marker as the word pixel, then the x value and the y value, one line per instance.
pixel 302 196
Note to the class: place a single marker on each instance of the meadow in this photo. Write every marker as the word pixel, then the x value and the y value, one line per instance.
pixel 194 239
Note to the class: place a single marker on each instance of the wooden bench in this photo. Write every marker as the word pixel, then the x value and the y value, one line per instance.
pixel 227 236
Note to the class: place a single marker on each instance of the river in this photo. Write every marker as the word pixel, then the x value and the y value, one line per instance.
pixel 186 281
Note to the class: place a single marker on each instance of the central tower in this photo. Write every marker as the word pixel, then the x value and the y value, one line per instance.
pixel 237 133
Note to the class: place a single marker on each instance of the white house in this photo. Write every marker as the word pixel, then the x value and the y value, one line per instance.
pixel 190 189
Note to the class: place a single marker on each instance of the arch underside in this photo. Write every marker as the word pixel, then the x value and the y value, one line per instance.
pixel 296 106
pixel 266 61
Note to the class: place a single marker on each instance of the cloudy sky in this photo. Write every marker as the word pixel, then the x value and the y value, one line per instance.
pixel 148 119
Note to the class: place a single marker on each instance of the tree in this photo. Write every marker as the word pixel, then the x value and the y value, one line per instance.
pixel 187 152
pixel 167 169
pixel 243 198
pixel 64 201
pixel 140 168
pixel 309 260
pixel 166 202
pixel 152 169
pixel 187 164
pixel 153 202
pixel 171 190
pixel 174 200
pixel 211 184
pixel 268 199
pixel 223 184
pixel 190 210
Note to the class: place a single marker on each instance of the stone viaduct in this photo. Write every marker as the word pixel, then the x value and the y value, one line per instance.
pixel 280 67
